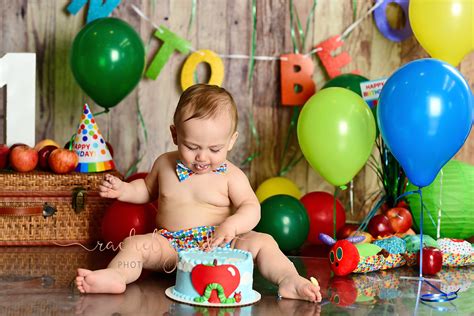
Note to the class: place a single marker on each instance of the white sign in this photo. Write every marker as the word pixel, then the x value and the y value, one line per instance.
pixel 18 74
pixel 371 91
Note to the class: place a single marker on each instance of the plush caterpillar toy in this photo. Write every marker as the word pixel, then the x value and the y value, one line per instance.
pixel 343 256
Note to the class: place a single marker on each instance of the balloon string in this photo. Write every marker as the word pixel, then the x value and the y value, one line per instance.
pixel 421 232
pixel 101 112
pixel 351 197
pixel 334 219
pixel 438 230
pixel 443 297
pixel 424 206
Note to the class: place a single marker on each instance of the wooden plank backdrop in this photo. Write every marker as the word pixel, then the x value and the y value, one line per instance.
pixel 45 28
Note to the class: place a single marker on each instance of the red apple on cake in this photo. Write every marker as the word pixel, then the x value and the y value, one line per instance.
pixel 227 275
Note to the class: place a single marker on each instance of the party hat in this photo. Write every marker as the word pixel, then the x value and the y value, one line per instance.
pixel 90 146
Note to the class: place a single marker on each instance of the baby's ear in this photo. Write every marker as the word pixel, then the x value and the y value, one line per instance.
pixel 174 134
pixel 233 139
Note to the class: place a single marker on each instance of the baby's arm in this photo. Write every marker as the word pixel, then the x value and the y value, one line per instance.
pixel 139 191
pixel 247 213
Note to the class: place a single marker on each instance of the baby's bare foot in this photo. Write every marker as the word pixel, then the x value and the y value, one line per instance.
pixel 100 281
pixel 297 287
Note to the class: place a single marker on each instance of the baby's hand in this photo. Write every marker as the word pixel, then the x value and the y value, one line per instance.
pixel 111 187
pixel 224 234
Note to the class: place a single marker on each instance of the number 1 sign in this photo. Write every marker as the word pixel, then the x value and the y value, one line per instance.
pixel 17 73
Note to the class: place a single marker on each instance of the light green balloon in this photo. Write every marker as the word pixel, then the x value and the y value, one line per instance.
pixel 336 133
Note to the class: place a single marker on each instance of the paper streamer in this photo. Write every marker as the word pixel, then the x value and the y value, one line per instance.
pixel 191 63
pixel 18 74
pixel 384 27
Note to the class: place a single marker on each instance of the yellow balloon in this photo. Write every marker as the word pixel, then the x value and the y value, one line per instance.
pixel 444 28
pixel 275 186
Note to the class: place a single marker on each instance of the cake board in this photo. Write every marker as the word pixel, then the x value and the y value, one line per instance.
pixel 169 293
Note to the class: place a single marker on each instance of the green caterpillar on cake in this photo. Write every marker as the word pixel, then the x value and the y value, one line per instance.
pixel 220 294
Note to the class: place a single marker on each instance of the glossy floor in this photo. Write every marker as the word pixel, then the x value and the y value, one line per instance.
pixel 37 281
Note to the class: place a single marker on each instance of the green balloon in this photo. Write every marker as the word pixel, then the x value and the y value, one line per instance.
pixel 352 82
pixel 285 219
pixel 452 192
pixel 347 81
pixel 107 60
pixel 336 133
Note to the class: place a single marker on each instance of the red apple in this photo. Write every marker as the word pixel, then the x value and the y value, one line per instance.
pixel 23 158
pixel 17 144
pixel 400 219
pixel 226 275
pixel 43 156
pixel 432 260
pixel 346 230
pixel 4 153
pixel 379 225
pixel 63 160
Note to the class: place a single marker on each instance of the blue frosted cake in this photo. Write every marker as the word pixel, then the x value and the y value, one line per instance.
pixel 222 276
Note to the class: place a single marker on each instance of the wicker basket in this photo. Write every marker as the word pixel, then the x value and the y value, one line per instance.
pixel 41 208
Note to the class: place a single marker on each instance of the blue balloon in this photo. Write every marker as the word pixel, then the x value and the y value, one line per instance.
pixel 425 115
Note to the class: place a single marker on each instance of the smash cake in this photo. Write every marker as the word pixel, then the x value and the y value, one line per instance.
pixel 221 277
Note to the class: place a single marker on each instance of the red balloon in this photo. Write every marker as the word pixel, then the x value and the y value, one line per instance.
pixel 121 217
pixel 320 209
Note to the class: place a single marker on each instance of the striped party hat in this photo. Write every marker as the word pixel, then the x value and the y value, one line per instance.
pixel 90 146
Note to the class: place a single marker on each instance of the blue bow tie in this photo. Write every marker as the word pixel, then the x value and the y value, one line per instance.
pixel 184 172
